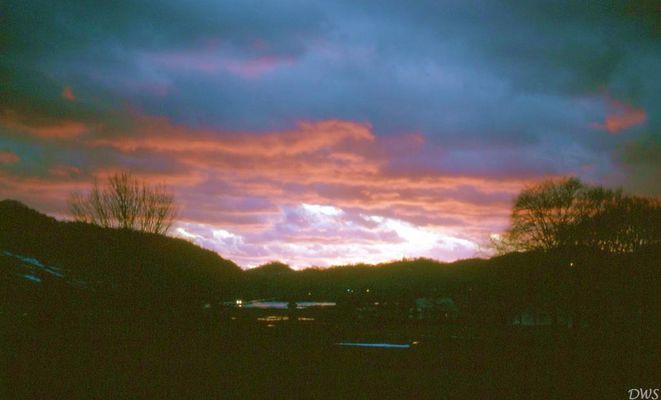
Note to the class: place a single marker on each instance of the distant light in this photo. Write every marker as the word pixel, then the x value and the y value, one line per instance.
pixel 381 345
pixel 273 318
pixel 239 302
pixel 571 264
pixel 367 290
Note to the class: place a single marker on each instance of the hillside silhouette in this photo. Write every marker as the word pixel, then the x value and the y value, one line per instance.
pixel 104 259
pixel 120 313
pixel 137 263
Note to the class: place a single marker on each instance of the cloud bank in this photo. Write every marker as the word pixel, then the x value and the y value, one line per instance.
pixel 319 132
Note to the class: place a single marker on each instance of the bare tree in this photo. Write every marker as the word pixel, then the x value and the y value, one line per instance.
pixel 127 203
pixel 541 214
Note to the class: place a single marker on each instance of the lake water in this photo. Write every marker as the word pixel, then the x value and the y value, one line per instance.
pixel 283 305
pixel 375 345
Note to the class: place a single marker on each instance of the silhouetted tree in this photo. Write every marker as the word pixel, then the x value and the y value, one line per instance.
pixel 540 213
pixel 617 223
pixel 568 213
pixel 125 202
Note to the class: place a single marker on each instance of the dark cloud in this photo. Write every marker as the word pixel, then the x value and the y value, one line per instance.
pixel 641 160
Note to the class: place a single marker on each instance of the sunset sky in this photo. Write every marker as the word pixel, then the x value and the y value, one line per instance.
pixel 329 132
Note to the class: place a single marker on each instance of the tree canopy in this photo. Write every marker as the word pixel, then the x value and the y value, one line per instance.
pixel 566 212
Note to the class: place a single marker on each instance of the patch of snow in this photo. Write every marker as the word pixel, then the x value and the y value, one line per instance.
pixel 32 278
pixel 36 263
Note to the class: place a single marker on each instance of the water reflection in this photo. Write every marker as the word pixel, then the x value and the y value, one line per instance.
pixel 273 318
pixel 282 305
pixel 279 318
pixel 377 345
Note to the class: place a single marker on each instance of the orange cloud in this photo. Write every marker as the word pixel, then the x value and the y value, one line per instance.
pixel 64 129
pixel 159 134
pixel 332 151
pixel 8 157
pixel 183 179
pixel 621 116
pixel 46 194
pixel 245 183
pixel 329 162
pixel 67 94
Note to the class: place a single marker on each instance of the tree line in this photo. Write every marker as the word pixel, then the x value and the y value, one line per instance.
pixel 567 213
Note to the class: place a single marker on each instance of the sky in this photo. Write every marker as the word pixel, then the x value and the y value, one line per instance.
pixel 329 132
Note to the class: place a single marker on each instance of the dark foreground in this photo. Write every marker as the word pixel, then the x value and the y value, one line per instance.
pixel 99 357
pixel 99 313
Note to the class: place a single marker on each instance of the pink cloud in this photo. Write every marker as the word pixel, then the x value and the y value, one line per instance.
pixel 45 129
pixel 160 135
pixel 254 68
pixel 214 59
pixel 251 190
pixel 621 116
pixel 8 157
pixel 47 194
pixel 67 94
pixel 339 163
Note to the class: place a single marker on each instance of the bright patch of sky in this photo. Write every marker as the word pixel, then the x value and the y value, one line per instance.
pixel 324 235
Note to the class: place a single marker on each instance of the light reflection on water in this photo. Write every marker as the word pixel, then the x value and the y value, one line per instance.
pixel 283 305
pixel 279 318
pixel 377 345
pixel 273 318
